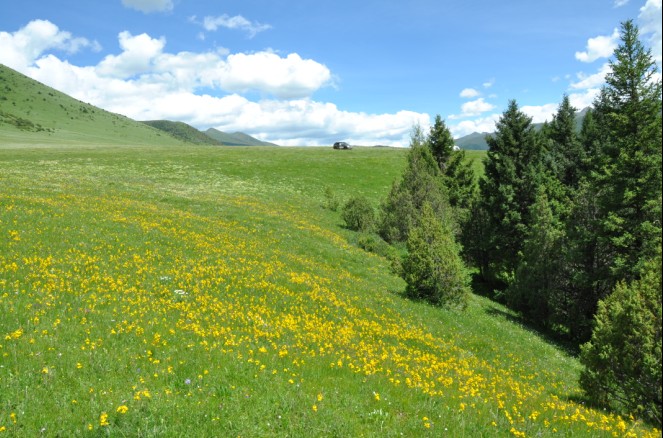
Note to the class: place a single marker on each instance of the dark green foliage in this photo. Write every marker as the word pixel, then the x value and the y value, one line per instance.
pixel 432 268
pixel 512 175
pixel 460 182
pixel 538 274
pixel 564 151
pixel 359 214
pixel 441 142
pixel 629 181
pixel 623 358
pixel 420 183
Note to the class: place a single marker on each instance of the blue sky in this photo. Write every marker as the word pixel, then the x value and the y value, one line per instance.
pixel 306 72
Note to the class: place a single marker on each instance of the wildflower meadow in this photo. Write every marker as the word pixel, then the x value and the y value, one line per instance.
pixel 206 291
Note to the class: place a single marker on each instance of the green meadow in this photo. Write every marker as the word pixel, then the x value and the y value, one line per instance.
pixel 181 290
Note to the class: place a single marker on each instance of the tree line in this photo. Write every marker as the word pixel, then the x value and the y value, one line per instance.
pixel 564 227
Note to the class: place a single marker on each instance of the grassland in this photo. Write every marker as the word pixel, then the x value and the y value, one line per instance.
pixel 205 291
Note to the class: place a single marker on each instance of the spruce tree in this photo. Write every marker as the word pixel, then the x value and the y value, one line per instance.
pixel 441 142
pixel 512 175
pixel 629 182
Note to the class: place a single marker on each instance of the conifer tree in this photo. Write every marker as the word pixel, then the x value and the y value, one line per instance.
pixel 420 183
pixel 629 182
pixel 512 175
pixel 441 142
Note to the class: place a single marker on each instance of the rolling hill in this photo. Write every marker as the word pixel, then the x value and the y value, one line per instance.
pixel 31 112
pixel 183 131
pixel 236 138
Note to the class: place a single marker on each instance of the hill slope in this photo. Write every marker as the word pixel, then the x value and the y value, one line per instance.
pixel 236 138
pixel 182 131
pixel 157 291
pixel 31 112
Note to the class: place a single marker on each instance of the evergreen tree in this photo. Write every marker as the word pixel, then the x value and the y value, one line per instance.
pixel 629 182
pixel 539 273
pixel 432 268
pixel 512 175
pixel 441 142
pixel 420 183
pixel 623 358
pixel 565 151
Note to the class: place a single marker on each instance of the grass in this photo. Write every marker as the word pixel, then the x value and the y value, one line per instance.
pixel 156 291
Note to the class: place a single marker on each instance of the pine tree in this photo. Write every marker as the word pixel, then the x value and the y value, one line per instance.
pixel 441 142
pixel 512 175
pixel 629 181
pixel 565 151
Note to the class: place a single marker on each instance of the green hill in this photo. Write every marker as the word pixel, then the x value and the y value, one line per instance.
pixel 183 131
pixel 156 291
pixel 33 113
pixel 236 138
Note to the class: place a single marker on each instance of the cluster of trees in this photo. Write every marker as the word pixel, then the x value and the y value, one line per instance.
pixel 565 226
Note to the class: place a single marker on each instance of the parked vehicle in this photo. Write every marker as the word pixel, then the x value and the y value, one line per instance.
pixel 341 145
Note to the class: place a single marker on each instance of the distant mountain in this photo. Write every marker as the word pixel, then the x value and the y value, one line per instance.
pixel 183 131
pixel 33 113
pixel 476 141
pixel 236 138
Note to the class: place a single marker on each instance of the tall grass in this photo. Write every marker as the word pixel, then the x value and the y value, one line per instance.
pixel 206 291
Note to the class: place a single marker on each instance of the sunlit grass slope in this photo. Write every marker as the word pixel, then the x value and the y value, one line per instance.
pixel 205 292
pixel 31 112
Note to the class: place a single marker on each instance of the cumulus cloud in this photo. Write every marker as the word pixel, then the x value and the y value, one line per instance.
pixel 469 93
pixel 650 24
pixel 211 24
pixel 473 108
pixel 148 6
pixel 144 82
pixel 601 46
pixel 21 48
pixel 482 124
pixel 591 81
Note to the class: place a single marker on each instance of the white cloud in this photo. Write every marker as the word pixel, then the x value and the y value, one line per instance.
pixel 601 46
pixel 591 81
pixel 650 23
pixel 148 6
pixel 466 127
pixel 211 24
pixel 473 108
pixel 489 83
pixel 469 93
pixel 21 48
pixel 289 77
pixel 540 113
pixel 620 3
pixel 138 54
pixel 144 81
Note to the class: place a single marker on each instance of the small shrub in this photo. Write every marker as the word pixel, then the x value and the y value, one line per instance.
pixel 331 200
pixel 359 214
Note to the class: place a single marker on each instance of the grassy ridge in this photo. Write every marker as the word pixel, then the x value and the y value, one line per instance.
pixel 32 113
pixel 156 291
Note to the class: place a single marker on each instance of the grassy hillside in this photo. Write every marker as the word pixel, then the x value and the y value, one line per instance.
pixel 156 291
pixel 33 113
pixel 183 131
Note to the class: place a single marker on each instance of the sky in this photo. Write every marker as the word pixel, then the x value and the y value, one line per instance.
pixel 312 72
